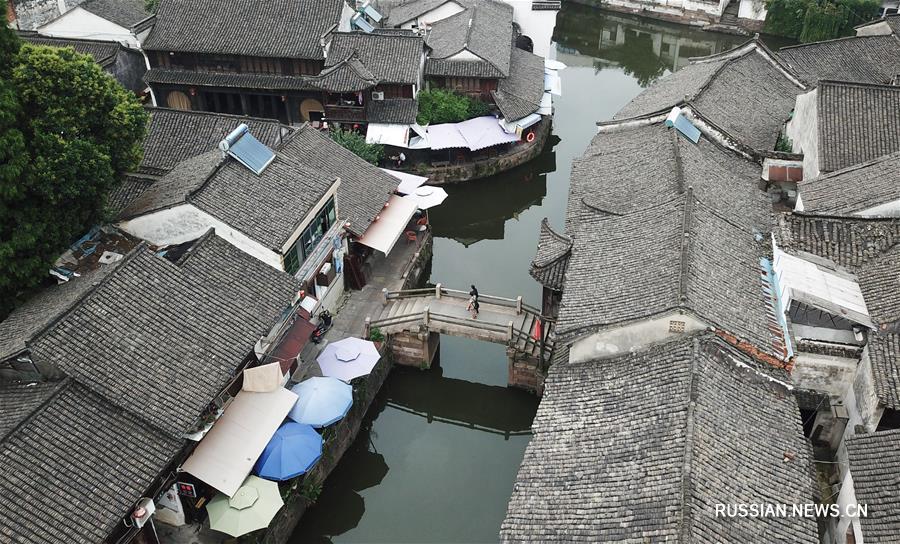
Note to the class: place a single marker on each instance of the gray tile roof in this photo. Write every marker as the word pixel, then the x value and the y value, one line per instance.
pixel 397 15
pixel 635 196
pixel 125 13
pixel 19 400
pixel 131 187
pixel 484 30
pixel 879 280
pixel 874 464
pixel 550 261
pixel 392 58
pixel 680 254
pixel 364 188
pixel 259 28
pixel 745 92
pixel 269 82
pixel 75 468
pixel 893 22
pixel 103 52
pixel 854 125
pixel 267 207
pixel 349 75
pixel 175 135
pixel 520 94
pixel 45 307
pixel 392 111
pixel 884 353
pixel 162 339
pixel 848 241
pixel 853 189
pixel 627 169
pixel 639 449
pixel 865 59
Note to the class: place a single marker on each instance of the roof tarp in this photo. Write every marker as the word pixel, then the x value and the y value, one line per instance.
pixel 519 125
pixel 226 455
pixel 552 82
pixel 383 233
pixel 408 182
pixel 546 105
pixel 483 132
pixel 445 136
pixel 817 286
pixel 397 135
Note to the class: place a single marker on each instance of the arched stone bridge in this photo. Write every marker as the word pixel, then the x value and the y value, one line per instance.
pixel 414 319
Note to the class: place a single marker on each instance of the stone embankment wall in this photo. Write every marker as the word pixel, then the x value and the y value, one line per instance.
pixel 520 154
pixel 337 439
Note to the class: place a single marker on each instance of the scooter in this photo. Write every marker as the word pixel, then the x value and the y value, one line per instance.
pixel 323 326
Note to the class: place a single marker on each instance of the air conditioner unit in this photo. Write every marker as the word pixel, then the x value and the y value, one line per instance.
pixel 377 95
pixel 142 512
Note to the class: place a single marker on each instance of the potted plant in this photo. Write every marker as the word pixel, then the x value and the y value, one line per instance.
pixel 376 336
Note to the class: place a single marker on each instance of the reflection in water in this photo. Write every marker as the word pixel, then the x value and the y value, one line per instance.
pixel 435 458
pixel 452 436
pixel 479 211
pixel 643 48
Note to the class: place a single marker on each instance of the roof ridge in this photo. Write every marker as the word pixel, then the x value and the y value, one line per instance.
pixel 685 522
pixel 151 108
pixel 545 224
pixel 853 167
pixel 63 384
pixel 685 243
pixel 832 40
pixel 198 242
pixel 837 82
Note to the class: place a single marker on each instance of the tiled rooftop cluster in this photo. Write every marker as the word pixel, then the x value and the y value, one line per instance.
pixel 143 346
pixel 658 224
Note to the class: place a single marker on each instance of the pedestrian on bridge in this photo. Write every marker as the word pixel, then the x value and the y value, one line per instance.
pixel 474 293
pixel 473 306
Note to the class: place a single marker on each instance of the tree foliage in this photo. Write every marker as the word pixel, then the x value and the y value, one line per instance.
pixel 443 106
pixel 816 20
pixel 356 143
pixel 68 131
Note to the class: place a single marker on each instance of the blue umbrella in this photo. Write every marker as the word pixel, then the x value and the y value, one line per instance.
pixel 321 401
pixel 293 450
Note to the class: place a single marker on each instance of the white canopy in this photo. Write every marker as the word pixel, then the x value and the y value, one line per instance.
pixel 427 197
pixel 820 287
pixel 263 379
pixel 408 182
pixel 383 233
pixel 554 64
pixel 397 135
pixel 519 125
pixel 552 82
pixel 483 132
pixel 546 105
pixel 474 134
pixel 445 136
pixel 226 455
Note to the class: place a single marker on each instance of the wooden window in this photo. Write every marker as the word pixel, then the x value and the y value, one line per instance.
pixel 178 100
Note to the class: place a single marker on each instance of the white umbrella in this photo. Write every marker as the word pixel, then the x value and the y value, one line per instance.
pixel 408 182
pixel 427 196
pixel 348 358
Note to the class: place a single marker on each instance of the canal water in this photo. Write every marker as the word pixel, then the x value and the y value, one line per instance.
pixel 439 450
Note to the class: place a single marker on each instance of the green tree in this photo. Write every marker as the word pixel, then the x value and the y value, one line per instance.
pixel 443 106
pixel 68 131
pixel 817 20
pixel 356 143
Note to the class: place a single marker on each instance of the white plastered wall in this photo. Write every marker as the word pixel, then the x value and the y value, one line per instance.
pixel 803 131
pixel 632 337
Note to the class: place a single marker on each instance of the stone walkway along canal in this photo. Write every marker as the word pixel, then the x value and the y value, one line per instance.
pixel 438 452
